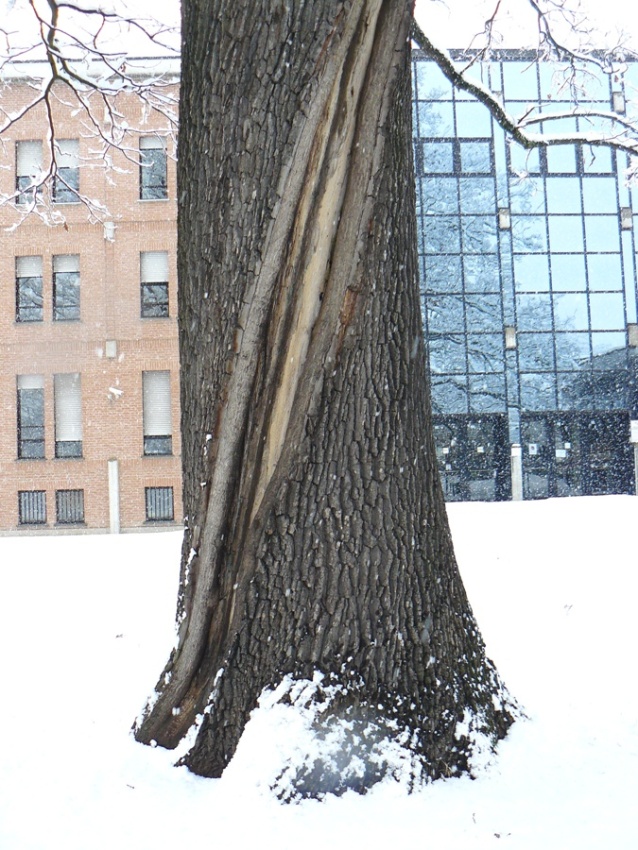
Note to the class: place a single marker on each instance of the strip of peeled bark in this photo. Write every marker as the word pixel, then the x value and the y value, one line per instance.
pixel 317 538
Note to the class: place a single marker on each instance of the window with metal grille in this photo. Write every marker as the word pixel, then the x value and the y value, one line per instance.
pixel 156 392
pixel 30 409
pixel 66 288
pixel 67 392
pixel 69 506
pixel 152 168
pixel 154 284
pixel 66 184
pixel 159 503
pixel 29 289
pixel 28 171
pixel 32 507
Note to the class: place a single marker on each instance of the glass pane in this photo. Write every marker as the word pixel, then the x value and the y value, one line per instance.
pixel 485 352
pixel 535 352
pixel 477 195
pixel 483 313
pixel 596 160
pixel 570 312
pixel 568 272
pixel 439 195
pixel 572 350
pixel 438 157
pixel 555 81
pixel 527 195
pixel 431 84
pixel 473 120
pixel 445 313
pixel 443 274
pixel 479 234
pixel 153 173
pixel 487 393
pixel 29 299
pixel 606 345
pixel 531 273
pixel 563 195
pixel 66 296
pixel 599 195
pixel 154 300
pixel 476 157
pixel 529 235
pixel 481 273
pixel 523 161
pixel 442 235
pixel 538 391
pixel 565 233
pixel 575 390
pixel 449 395
pixel 447 354
pixel 605 271
pixel 561 159
pixel 533 312
pixel 607 311
pixel 435 120
pixel 66 186
pixel 519 81
pixel 610 388
pixel 593 84
pixel 601 232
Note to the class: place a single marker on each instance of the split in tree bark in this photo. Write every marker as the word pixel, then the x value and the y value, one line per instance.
pixel 317 545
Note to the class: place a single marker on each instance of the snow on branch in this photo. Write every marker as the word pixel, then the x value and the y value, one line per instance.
pixel 622 133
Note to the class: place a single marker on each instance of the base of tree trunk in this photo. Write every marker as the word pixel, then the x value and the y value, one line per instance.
pixel 339 740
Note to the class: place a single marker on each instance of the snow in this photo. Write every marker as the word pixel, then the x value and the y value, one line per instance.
pixel 86 623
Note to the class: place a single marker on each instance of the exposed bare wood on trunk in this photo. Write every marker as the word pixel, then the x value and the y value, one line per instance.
pixel 317 537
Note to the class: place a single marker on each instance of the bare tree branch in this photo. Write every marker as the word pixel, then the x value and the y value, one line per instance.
pixel 93 74
pixel 623 133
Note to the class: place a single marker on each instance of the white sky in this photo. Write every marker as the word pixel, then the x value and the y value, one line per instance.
pixel 454 23
pixel 451 23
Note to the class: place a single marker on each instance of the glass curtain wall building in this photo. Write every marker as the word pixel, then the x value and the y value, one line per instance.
pixel 528 272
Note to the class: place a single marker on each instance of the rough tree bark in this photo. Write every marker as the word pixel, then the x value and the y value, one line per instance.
pixel 317 538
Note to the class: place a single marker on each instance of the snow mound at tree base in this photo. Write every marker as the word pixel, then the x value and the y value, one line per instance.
pixel 312 738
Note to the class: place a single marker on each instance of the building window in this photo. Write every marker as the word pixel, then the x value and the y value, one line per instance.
pixel 152 168
pixel 158 432
pixel 29 289
pixel 66 288
pixel 69 506
pixel 28 171
pixel 32 507
pixel 66 183
pixel 451 156
pixel 30 416
pixel 68 415
pixel 154 283
pixel 159 504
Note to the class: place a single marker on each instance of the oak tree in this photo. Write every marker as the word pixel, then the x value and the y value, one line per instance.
pixel 317 540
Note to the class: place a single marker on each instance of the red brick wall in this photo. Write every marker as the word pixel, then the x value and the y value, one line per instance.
pixel 110 310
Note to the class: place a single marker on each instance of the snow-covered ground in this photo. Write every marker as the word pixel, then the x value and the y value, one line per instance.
pixel 86 624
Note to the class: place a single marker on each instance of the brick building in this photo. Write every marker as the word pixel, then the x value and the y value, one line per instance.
pixel 89 386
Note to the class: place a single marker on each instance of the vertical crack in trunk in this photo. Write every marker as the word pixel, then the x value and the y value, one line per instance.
pixel 316 226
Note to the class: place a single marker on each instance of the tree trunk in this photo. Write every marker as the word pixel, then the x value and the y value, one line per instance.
pixel 317 538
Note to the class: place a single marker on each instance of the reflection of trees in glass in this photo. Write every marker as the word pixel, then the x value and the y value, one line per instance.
pixel 605 382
